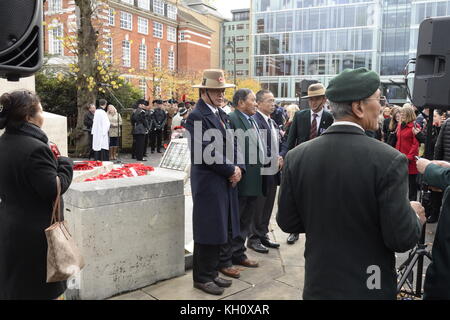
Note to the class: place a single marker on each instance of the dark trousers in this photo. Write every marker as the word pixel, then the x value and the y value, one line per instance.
pixel 436 203
pixel 412 182
pixel 147 140
pixel 140 146
pixel 91 151
pixel 133 148
pixel 264 206
pixel 205 262
pixel 234 250
pixel 102 155
pixel 156 140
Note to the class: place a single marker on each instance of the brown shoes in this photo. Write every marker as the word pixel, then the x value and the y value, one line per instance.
pixel 231 272
pixel 248 263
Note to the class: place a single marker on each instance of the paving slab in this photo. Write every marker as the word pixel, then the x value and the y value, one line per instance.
pixel 181 288
pixel 270 290
pixel 134 295
pixel 293 276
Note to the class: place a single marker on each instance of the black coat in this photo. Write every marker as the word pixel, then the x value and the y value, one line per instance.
pixel 442 149
pixel 28 172
pixel 139 121
pixel 348 193
pixel 215 200
pixel 159 119
pixel 301 127
pixel 88 121
pixel 437 281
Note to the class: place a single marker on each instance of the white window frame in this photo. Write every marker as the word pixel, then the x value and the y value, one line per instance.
pixel 143 87
pixel 109 48
pixel 55 5
pixel 171 60
pixel 144 4
pixel 157 58
pixel 158 7
pixel 111 17
pixel 171 34
pixel 126 53
pixel 182 34
pixel 142 25
pixel 172 12
pixel 131 2
pixel 126 20
pixel 56 45
pixel 156 32
pixel 142 56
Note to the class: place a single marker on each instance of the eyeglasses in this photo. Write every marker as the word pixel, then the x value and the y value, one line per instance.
pixel 381 100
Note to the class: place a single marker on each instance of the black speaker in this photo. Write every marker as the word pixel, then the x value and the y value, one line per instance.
pixel 304 85
pixel 432 75
pixel 21 41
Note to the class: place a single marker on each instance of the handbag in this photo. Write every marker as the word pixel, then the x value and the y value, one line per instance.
pixel 63 256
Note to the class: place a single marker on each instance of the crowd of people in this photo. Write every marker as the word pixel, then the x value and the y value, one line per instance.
pixel 347 171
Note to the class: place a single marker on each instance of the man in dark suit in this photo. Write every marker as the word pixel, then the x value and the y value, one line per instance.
pixel 250 187
pixel 159 119
pixel 213 182
pixel 140 128
pixel 259 240
pixel 309 124
pixel 359 215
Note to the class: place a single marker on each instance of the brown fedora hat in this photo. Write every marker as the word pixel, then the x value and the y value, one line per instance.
pixel 315 90
pixel 214 79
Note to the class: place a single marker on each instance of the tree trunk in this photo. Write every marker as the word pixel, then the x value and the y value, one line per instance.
pixel 87 65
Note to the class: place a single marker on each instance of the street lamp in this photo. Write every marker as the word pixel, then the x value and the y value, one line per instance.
pixel 232 45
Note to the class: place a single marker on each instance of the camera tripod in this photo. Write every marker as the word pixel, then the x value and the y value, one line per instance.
pixel 405 273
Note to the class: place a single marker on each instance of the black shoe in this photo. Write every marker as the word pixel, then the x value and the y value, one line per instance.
pixel 223 283
pixel 159 151
pixel 269 243
pixel 258 247
pixel 209 287
pixel 153 151
pixel 432 219
pixel 292 238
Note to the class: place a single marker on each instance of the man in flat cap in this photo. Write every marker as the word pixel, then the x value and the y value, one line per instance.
pixel 349 194
pixel 215 199
pixel 309 124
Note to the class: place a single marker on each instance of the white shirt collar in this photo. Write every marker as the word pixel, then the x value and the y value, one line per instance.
pixel 264 116
pixel 319 114
pixel 347 123
pixel 214 110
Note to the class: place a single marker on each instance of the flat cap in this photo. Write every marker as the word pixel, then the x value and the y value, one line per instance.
pixel 353 85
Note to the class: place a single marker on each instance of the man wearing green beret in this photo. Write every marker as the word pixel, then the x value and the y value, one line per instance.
pixel 349 194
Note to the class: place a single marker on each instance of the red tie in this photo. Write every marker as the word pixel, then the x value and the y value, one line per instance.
pixel 313 132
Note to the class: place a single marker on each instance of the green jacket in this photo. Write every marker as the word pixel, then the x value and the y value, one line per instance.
pixel 251 182
pixel 437 281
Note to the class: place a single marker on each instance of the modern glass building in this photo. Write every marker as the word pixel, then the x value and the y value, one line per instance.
pixel 294 40
pixel 236 36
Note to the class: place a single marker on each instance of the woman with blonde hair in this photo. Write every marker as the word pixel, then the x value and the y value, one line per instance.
pixel 114 131
pixel 409 146
pixel 391 126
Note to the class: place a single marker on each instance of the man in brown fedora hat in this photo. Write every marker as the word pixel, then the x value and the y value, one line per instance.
pixel 213 183
pixel 309 124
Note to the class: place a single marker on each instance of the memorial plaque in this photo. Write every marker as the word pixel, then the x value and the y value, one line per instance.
pixel 177 155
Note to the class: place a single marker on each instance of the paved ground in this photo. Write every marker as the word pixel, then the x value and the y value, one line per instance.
pixel 279 277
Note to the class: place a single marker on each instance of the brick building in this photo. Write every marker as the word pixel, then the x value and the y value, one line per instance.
pixel 138 35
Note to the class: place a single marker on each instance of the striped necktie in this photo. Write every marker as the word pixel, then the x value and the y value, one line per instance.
pixel 313 132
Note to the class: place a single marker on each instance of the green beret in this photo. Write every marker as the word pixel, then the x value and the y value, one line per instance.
pixel 353 85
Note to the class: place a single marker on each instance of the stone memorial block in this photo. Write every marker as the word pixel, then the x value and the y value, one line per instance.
pixel 130 232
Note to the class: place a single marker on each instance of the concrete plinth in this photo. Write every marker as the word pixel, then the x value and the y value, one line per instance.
pixel 130 232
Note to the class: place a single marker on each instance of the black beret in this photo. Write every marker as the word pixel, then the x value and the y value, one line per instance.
pixel 353 85
pixel 158 101
pixel 142 101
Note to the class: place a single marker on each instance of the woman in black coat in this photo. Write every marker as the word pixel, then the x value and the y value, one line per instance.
pixel 28 170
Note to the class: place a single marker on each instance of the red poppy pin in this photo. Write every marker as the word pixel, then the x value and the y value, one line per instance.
pixel 221 79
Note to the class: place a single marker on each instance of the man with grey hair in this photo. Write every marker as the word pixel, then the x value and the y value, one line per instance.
pixel 359 215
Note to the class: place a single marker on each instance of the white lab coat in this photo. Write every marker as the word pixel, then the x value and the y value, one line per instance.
pixel 100 129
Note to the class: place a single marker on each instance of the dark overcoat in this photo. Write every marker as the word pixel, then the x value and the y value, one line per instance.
pixel 28 172
pixel 301 127
pixel 348 193
pixel 437 281
pixel 251 182
pixel 215 201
